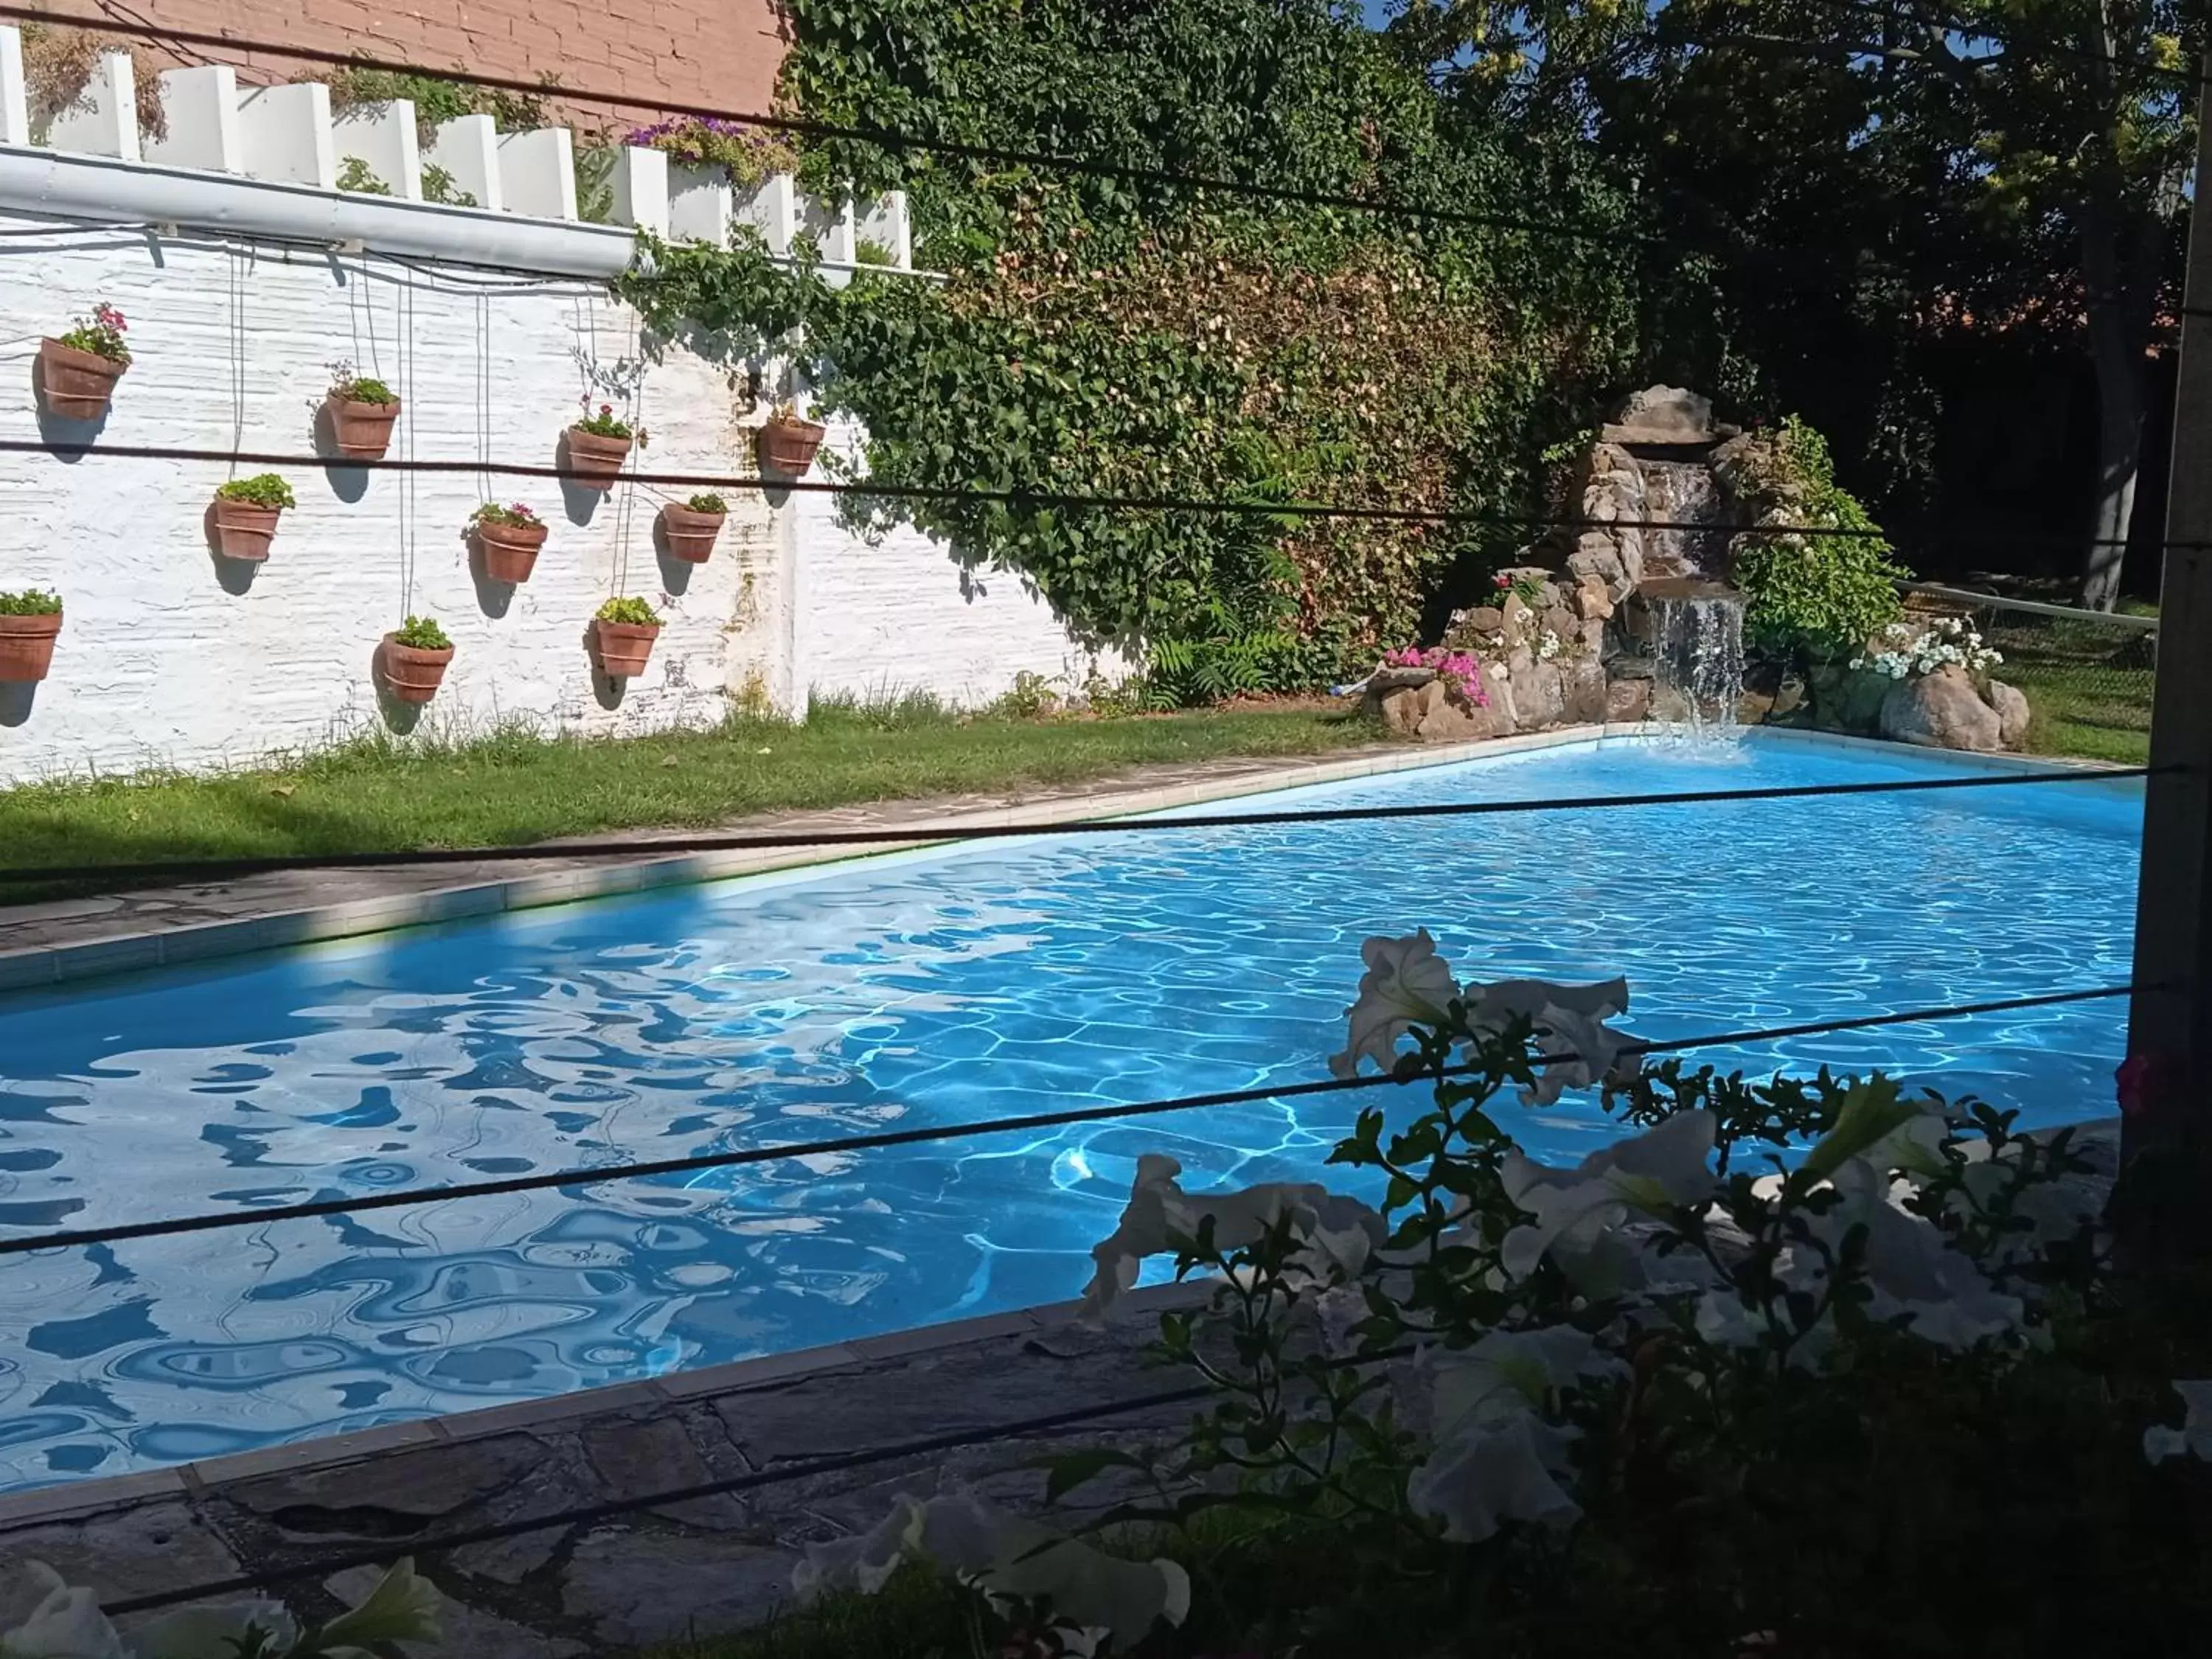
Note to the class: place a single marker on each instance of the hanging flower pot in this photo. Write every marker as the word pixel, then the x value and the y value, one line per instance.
pixel 692 528
pixel 29 623
pixel 622 636
pixel 788 445
pixel 361 410
pixel 597 446
pixel 78 372
pixel 508 538
pixel 246 512
pixel 415 658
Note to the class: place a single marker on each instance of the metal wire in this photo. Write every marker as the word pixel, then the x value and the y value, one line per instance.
pixel 170 869
pixel 80 1237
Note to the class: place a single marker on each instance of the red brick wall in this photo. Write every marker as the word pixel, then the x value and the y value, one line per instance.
pixel 723 53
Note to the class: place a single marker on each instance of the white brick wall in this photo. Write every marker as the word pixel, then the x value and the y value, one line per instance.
pixel 160 663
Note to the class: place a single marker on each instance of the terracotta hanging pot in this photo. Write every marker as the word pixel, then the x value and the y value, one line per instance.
pixel 359 431
pixel 243 530
pixel 412 674
pixel 624 648
pixel 510 551
pixel 77 385
pixel 26 646
pixel 691 535
pixel 594 461
pixel 788 445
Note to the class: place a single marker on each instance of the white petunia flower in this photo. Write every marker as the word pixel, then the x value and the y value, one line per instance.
pixel 2194 1436
pixel 1338 1233
pixel 1005 1556
pixel 1406 982
pixel 1579 1213
pixel 403 1608
pixel 1569 1020
pixel 1494 1474
pixel 216 1632
pixel 64 1623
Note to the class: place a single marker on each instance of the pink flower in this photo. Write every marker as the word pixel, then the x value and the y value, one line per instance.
pixel 2146 1084
pixel 1501 579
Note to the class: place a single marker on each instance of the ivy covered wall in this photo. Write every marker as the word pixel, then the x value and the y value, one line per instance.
pixel 1101 336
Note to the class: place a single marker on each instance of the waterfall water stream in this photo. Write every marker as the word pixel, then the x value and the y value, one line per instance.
pixel 1699 663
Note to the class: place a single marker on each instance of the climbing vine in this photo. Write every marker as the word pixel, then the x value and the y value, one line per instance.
pixel 1096 336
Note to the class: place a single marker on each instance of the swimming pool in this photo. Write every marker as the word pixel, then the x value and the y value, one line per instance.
pixel 985 982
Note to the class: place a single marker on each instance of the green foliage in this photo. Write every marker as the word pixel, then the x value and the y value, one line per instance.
pixel 603 424
pixel 355 176
pixel 438 186
pixel 869 252
pixel 263 489
pixel 101 334
pixel 1809 597
pixel 1101 339
pixel 514 512
pixel 421 634
pixel 751 154
pixel 31 602
pixel 350 387
pixel 437 99
pixel 635 612
pixel 708 501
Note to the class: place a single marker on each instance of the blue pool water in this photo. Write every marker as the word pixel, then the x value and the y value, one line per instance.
pixel 1006 978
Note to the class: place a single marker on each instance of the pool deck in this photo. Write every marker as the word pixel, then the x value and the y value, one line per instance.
pixel 58 941
pixel 46 944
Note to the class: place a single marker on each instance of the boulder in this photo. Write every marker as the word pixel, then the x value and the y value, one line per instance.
pixel 1520 620
pixel 1584 684
pixel 1848 699
pixel 1399 711
pixel 1539 697
pixel 1484 619
pixel 2013 713
pixel 1597 558
pixel 1628 702
pixel 1561 622
pixel 1591 599
pixel 1942 710
pixel 1661 414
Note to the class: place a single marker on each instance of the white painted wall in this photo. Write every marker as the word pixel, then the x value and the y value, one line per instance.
pixel 165 659
pixel 880 617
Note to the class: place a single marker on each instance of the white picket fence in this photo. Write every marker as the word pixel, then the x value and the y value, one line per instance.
pixel 287 135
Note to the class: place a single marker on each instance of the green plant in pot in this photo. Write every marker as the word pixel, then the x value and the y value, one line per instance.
pixel 77 372
pixel 598 444
pixel 690 527
pixel 507 540
pixel 362 411
pixel 243 520
pixel 623 634
pixel 414 657
pixel 787 444
pixel 30 621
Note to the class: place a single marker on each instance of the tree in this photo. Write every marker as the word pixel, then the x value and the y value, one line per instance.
pixel 1896 167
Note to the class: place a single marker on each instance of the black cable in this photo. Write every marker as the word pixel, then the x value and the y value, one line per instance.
pixel 811 129
pixel 1030 498
pixel 348 1206
pixel 169 869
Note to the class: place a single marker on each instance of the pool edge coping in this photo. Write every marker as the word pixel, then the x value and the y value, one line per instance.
pixel 117 953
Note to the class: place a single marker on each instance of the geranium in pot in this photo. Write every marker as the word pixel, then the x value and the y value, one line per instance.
pixel 692 528
pixel 77 372
pixel 361 410
pixel 415 658
pixel 246 512
pixel 29 622
pixel 509 537
pixel 787 444
pixel 598 445
pixel 623 634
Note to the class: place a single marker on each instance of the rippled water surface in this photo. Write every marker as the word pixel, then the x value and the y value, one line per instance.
pixel 1015 978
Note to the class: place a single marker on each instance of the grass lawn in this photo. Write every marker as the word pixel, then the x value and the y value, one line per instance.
pixel 379 795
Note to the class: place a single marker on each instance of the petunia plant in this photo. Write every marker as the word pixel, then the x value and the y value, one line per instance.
pixel 1493 1384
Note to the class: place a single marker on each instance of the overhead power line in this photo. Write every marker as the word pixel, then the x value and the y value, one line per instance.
pixel 1036 500
pixel 80 1237
pixel 170 869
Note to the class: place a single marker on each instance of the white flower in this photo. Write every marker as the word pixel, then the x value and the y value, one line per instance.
pixel 1338 1233
pixel 1507 1372
pixel 64 1623
pixel 1494 1474
pixel 1569 1020
pixel 1579 1213
pixel 2194 1436
pixel 403 1608
pixel 1406 982
pixel 1006 1557
pixel 1497 670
